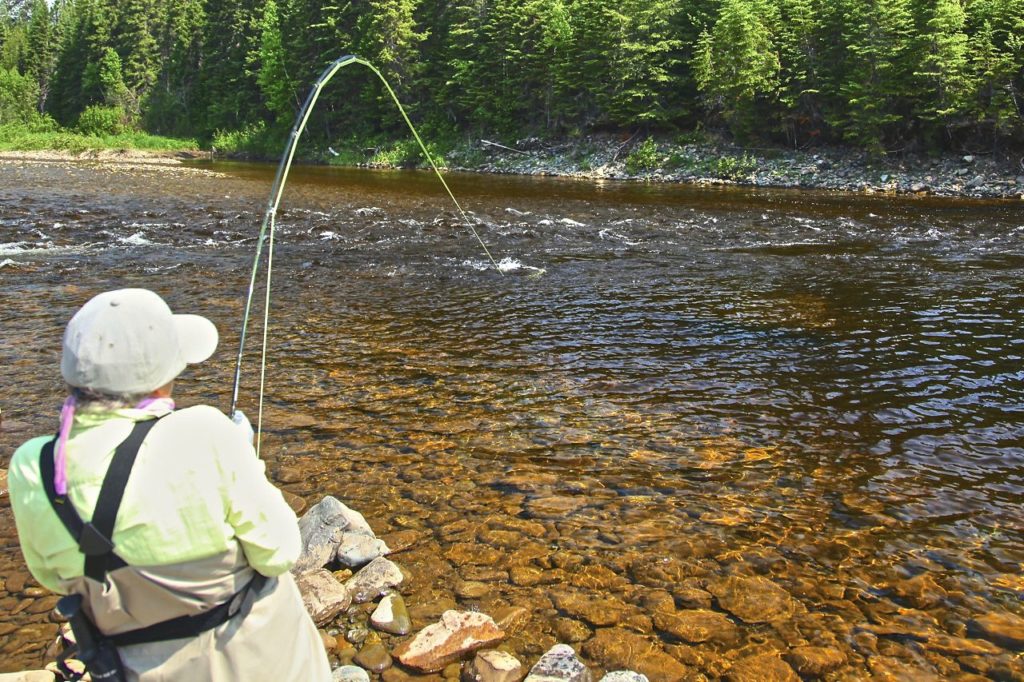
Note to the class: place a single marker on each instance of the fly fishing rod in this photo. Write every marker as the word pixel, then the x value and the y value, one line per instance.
pixel 267 228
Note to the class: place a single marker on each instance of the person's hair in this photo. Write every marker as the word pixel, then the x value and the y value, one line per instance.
pixel 87 397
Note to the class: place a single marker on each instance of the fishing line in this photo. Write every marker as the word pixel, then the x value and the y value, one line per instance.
pixel 267 228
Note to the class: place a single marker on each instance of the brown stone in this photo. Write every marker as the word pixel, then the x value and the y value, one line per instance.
pixel 762 668
pixel 525 576
pixel 555 506
pixel 921 592
pixel 597 612
pixel 323 596
pixel 444 642
pixel 753 600
pixel 374 657
pixel 597 578
pixel 462 553
pixel 697 626
pixel 571 631
pixel 297 504
pixel 619 649
pixel 401 540
pixel 511 619
pixel 468 589
pixel 1005 629
pixel 815 661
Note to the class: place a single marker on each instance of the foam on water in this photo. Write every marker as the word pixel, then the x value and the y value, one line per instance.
pixel 13 248
pixel 137 239
pixel 505 265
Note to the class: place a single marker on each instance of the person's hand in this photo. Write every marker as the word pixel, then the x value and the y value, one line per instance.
pixel 239 419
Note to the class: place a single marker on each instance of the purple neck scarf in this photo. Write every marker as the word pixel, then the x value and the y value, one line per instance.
pixel 67 418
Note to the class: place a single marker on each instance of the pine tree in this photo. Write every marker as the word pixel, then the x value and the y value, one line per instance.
pixel 800 53
pixel 737 62
pixel 136 44
pixel 276 87
pixel 41 49
pixel 945 69
pixel 388 38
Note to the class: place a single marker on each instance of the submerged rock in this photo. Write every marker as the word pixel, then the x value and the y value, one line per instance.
pixel 815 661
pixel 618 649
pixel 559 664
pixel 697 626
pixel 753 600
pixel 1005 629
pixel 624 676
pixel 374 657
pixel 323 596
pixel 444 642
pixel 762 668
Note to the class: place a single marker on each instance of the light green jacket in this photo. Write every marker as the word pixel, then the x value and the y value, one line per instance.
pixel 196 489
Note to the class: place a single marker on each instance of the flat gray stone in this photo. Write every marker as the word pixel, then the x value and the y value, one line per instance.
pixel 322 529
pixel 323 596
pixel 373 580
pixel 350 673
pixel 624 676
pixel 357 549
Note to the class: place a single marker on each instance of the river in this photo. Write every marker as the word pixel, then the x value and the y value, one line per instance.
pixel 805 401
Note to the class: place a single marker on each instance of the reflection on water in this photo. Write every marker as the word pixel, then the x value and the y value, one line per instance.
pixel 822 390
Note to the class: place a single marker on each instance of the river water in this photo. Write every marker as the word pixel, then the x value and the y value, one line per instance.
pixel 800 415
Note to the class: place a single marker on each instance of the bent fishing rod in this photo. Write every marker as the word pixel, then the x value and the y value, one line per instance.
pixel 267 228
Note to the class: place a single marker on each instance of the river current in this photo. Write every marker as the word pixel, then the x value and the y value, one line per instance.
pixel 814 400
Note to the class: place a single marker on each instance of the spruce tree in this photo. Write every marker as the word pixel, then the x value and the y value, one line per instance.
pixel 944 71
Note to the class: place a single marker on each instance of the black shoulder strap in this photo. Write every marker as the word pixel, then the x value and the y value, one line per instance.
pixel 94 538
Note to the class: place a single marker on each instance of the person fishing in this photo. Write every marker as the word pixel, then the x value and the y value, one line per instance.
pixel 159 524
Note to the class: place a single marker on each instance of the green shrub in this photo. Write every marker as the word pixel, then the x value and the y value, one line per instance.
pixel 102 121
pixel 19 96
pixel 644 157
pixel 732 167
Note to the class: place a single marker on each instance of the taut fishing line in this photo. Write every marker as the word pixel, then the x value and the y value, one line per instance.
pixel 268 226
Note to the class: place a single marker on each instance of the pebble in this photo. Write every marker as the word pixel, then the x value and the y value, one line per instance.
pixel 468 589
pixel 350 673
pixel 572 631
pixel 374 657
pixel 391 616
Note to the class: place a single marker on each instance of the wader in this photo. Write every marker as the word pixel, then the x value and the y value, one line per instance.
pixel 213 619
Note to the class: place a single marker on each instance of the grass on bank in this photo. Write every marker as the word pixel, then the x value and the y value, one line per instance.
pixel 16 137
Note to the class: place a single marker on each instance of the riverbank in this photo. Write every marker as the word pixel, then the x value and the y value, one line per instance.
pixel 710 162
pixel 609 157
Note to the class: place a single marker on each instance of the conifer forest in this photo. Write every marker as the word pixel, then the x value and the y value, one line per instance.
pixel 879 75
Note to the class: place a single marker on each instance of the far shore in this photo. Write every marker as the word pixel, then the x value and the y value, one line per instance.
pixel 602 158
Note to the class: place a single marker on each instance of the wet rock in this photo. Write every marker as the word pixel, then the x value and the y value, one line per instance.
pixel 697 626
pixel 494 666
pixel 815 661
pixel 357 549
pixel 294 501
pixel 525 576
pixel 559 664
pixel 753 600
pixel 597 578
pixel 961 646
pixel 659 600
pixel 597 612
pixel 350 673
pixel 1005 629
pixel 572 631
pixel 975 182
pixel 468 589
pixel 456 634
pixel 762 668
pixel 401 540
pixel 374 580
pixel 890 669
pixel 484 574
pixel 396 674
pixel 624 676
pixel 323 596
pixel 692 597
pixel 374 657
pixel 322 528
pixel 511 619
pixel 555 506
pixel 462 553
pixel 619 649
pixel 391 616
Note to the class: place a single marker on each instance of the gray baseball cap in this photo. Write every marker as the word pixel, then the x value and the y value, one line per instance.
pixel 129 341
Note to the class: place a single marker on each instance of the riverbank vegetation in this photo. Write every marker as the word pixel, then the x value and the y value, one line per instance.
pixel 882 76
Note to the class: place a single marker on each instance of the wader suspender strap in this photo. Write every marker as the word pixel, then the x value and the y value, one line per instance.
pixel 94 538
